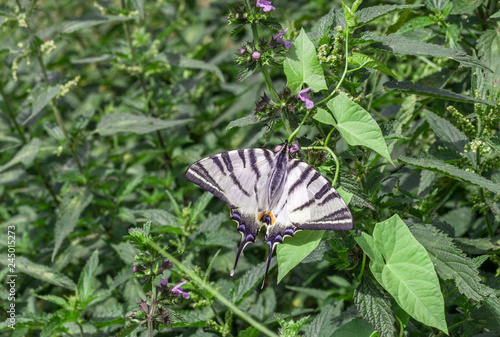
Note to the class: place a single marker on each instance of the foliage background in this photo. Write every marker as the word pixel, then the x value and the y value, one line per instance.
pixel 105 104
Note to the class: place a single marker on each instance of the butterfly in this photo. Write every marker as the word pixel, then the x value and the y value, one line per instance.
pixel 272 189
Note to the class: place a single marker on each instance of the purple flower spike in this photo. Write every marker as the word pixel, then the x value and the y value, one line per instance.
pixel 164 282
pixel 178 291
pixel 305 98
pixel 265 4
pixel 280 39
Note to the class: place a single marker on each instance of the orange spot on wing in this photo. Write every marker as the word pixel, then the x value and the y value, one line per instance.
pixel 263 213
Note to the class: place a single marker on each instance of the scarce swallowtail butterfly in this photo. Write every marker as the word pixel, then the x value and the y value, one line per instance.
pixel 262 187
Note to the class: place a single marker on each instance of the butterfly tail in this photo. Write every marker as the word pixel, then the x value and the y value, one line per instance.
pixel 269 258
pixel 249 232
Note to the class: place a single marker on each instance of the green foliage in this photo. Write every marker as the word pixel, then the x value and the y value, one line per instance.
pixel 103 105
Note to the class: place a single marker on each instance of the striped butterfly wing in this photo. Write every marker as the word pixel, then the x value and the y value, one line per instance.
pixel 238 178
pixel 312 203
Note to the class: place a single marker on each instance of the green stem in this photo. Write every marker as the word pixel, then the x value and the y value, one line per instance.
pixel 363 264
pixel 195 278
pixel 337 165
pixel 298 128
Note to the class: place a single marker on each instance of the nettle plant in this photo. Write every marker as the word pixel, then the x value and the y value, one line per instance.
pixel 417 269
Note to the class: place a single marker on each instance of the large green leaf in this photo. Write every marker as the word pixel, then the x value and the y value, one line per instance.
pixel 435 165
pixel 114 123
pixel 295 249
pixel 85 286
pixel 403 267
pixel 398 44
pixel 302 66
pixel 488 49
pixel 355 328
pixel 357 126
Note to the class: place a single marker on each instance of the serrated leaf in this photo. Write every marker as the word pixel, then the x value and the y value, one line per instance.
pixel 488 49
pixel 403 267
pixel 479 246
pixel 249 332
pixel 415 23
pixel 367 61
pixel 192 318
pixel 244 121
pixel 43 273
pixel 85 286
pixel 161 218
pixel 26 155
pixel 73 25
pixel 465 6
pixel 57 300
pixel 248 281
pixel 182 61
pixel 398 44
pixel 70 209
pixel 449 134
pixel 435 165
pixel 114 123
pixel 449 261
pixel 375 307
pixel 302 66
pixel 368 14
pixel 415 88
pixel 357 126
pixel 355 328
pixel 320 326
pixel 295 249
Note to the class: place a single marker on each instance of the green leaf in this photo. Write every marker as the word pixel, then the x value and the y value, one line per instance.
pixel 375 307
pixel 320 326
pixel 479 246
pixel 416 23
pixel 43 273
pixel 488 49
pixel 419 89
pixel 57 300
pixel 182 61
pixel 85 286
pixel 449 134
pixel 324 117
pixel 244 121
pixel 302 66
pixel 293 250
pixel 435 165
pixel 406 272
pixel 73 25
pixel 166 221
pixel 449 261
pixel 249 332
pixel 368 14
pixel 26 155
pixel 192 318
pixel 69 210
pixel 41 96
pixel 357 126
pixel 248 281
pixel 348 15
pixel 397 44
pixel 368 61
pixel 465 6
pixel 355 328
pixel 114 123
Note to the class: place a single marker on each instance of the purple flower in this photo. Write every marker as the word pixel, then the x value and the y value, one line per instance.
pixel 164 282
pixel 177 290
pixel 294 148
pixel 280 39
pixel 241 51
pixel 265 4
pixel 305 98
pixel 256 55
pixel 134 269
pixel 277 148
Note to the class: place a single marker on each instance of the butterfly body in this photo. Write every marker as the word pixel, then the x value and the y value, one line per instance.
pixel 272 189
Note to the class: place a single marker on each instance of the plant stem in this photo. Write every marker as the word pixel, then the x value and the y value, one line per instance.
pixel 195 278
pixel 298 128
